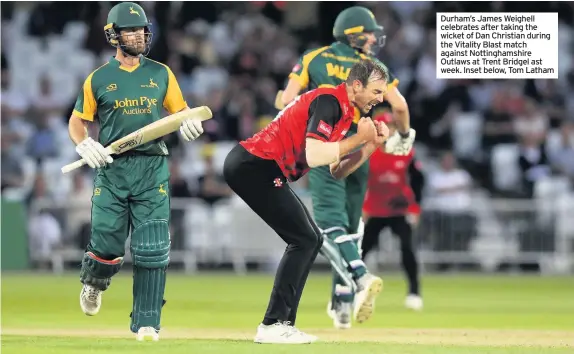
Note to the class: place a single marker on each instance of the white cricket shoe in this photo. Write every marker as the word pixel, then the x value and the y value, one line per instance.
pixel 414 302
pixel 341 314
pixel 282 333
pixel 147 334
pixel 90 300
pixel 370 287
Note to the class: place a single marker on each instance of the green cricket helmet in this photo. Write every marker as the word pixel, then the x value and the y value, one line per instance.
pixel 352 24
pixel 127 15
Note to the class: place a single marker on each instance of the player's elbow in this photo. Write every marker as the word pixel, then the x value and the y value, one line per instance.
pixel 290 92
pixel 320 153
pixel 286 99
pixel 313 160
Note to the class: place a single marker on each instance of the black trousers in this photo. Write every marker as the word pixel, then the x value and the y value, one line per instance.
pixel 401 228
pixel 261 184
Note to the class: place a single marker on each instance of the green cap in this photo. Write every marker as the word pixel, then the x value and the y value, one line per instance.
pixel 356 19
pixel 125 15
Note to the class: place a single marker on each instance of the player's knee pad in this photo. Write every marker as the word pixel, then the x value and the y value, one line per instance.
pixel 97 271
pixel 343 293
pixel 151 244
pixel 331 252
pixel 347 244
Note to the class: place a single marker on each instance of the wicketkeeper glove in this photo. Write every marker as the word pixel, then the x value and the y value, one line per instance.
pixel 191 129
pixel 93 153
pixel 400 144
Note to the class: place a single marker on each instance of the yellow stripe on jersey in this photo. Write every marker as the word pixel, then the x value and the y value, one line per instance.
pixel 89 108
pixel 307 58
pixel 341 58
pixel 173 100
pixel 327 86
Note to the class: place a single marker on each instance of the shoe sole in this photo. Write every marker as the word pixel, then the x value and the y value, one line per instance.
pixel 366 309
pixel 414 308
pixel 147 338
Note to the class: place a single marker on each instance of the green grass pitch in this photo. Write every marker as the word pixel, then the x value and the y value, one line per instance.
pixel 217 313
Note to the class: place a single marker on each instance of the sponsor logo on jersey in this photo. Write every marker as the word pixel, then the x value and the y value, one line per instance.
pixel 111 87
pixel 325 128
pixel 151 84
pixel 338 71
pixel 141 105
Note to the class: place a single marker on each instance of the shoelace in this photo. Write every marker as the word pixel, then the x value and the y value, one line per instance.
pixel 93 294
pixel 290 328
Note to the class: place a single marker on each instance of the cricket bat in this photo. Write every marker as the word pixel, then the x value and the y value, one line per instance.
pixel 148 133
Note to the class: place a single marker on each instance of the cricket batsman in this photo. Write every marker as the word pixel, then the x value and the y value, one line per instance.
pixel 131 193
pixel 393 198
pixel 309 132
pixel 337 204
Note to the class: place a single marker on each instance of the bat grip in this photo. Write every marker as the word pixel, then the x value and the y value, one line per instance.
pixel 74 165
pixel 81 162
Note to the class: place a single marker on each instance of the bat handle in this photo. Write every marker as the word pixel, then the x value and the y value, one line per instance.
pixel 74 165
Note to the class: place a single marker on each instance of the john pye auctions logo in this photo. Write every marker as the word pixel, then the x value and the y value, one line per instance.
pixel 142 105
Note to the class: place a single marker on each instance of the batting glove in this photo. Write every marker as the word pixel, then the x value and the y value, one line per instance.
pixel 95 155
pixel 191 129
pixel 400 144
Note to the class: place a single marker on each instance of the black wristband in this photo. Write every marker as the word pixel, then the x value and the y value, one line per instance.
pixel 405 135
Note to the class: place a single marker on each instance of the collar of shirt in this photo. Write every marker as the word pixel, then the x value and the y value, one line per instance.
pixel 116 63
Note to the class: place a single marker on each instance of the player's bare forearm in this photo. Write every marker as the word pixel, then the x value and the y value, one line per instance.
pixel 77 129
pixel 291 91
pixel 403 120
pixel 351 162
pixel 346 146
pixel 400 110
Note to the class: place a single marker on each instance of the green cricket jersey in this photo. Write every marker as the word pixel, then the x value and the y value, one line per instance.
pixel 127 99
pixel 329 66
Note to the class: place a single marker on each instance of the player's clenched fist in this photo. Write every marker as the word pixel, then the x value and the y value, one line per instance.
pixel 382 132
pixel 191 129
pixel 93 153
pixel 366 129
